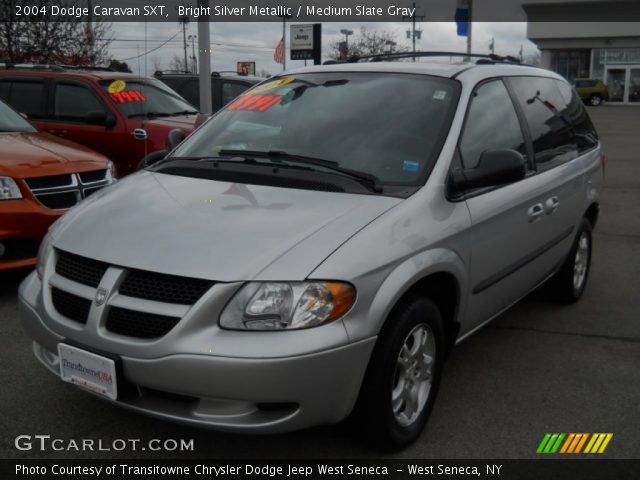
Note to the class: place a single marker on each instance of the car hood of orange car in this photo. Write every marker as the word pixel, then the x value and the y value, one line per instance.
pixel 36 154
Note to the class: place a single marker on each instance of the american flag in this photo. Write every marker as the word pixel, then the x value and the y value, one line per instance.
pixel 278 55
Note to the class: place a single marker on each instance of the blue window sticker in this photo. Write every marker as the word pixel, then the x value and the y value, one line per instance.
pixel 408 166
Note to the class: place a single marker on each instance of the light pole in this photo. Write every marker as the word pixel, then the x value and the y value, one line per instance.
pixel 184 20
pixel 193 52
pixel 346 34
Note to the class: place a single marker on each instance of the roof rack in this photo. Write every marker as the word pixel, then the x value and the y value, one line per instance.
pixel 159 73
pixel 52 67
pixel 32 66
pixel 87 67
pixel 483 58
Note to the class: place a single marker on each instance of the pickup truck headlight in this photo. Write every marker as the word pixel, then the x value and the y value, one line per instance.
pixel 287 305
pixel 9 189
pixel 111 172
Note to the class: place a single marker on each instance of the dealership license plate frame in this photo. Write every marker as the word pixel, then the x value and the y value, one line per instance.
pixel 92 361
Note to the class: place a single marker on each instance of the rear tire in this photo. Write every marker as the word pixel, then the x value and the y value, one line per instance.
pixel 570 282
pixel 402 379
pixel 595 100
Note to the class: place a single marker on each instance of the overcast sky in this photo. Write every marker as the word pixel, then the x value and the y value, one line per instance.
pixel 232 42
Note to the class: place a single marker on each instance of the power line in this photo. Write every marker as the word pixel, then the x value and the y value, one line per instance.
pixel 150 51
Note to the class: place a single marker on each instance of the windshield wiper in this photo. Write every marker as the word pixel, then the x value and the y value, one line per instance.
pixel 366 179
pixel 184 112
pixel 149 114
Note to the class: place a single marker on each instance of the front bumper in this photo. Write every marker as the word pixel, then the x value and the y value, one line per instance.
pixel 266 394
pixel 23 224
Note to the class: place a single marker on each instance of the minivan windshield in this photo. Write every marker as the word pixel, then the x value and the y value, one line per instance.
pixel 12 121
pixel 149 97
pixel 386 126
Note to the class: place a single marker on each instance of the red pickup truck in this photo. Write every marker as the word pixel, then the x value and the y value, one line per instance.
pixel 121 115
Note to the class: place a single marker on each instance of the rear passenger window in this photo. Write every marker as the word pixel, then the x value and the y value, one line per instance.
pixel 547 117
pixel 492 123
pixel 25 96
pixel 74 102
pixel 584 133
pixel 231 90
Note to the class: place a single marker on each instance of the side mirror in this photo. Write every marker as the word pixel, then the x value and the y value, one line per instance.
pixel 174 138
pixel 99 117
pixel 496 167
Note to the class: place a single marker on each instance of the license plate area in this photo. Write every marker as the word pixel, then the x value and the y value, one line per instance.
pixel 88 370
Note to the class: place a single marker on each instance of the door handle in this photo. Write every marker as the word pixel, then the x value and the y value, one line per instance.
pixel 535 212
pixel 60 133
pixel 551 204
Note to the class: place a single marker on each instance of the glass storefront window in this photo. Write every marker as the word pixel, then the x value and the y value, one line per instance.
pixel 571 64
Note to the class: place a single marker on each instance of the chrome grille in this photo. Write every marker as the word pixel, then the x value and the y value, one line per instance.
pixel 164 299
pixel 60 192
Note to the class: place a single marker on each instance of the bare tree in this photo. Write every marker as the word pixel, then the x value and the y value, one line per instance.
pixel 365 42
pixel 46 39
pixel 177 63
pixel 156 63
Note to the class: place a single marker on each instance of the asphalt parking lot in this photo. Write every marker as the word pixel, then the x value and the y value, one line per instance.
pixel 538 368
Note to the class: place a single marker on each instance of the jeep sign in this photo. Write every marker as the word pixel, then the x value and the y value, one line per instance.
pixel 305 42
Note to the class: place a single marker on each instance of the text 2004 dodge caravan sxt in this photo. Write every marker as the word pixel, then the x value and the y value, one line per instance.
pixel 318 247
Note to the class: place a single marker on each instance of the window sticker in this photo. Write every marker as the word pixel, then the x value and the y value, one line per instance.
pixel 271 85
pixel 130 96
pixel 255 103
pixel 408 166
pixel 117 86
pixel 439 95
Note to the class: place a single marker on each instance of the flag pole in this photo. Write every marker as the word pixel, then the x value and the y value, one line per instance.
pixel 469 27
pixel 284 43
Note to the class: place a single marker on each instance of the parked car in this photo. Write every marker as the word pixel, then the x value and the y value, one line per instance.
pixel 592 91
pixel 41 176
pixel 319 246
pixel 225 86
pixel 120 115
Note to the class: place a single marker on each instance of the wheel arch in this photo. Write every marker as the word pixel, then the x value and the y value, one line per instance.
pixel 592 213
pixel 442 278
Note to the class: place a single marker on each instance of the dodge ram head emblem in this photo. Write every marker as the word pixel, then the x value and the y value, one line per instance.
pixel 101 296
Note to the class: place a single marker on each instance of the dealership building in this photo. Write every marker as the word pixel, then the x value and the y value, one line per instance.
pixel 590 40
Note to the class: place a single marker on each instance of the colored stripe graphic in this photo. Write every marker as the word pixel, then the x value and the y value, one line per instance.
pixel 550 443
pixel 573 443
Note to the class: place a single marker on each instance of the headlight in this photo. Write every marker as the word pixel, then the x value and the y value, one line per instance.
pixel 287 306
pixel 46 247
pixel 111 172
pixel 9 189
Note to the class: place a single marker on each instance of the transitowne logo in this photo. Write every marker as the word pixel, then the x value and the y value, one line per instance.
pixel 573 443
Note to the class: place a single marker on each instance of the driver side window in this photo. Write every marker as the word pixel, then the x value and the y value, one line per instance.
pixel 492 123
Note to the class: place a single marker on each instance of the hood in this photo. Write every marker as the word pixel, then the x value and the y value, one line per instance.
pixel 215 230
pixel 186 122
pixel 27 155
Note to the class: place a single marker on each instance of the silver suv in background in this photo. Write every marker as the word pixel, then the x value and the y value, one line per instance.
pixel 318 247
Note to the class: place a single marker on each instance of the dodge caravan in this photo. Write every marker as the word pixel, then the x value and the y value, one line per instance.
pixel 318 247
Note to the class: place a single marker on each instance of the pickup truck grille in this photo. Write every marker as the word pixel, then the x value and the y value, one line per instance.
pixel 60 192
pixel 165 290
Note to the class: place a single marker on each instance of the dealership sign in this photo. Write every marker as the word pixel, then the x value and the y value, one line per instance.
pixel 305 42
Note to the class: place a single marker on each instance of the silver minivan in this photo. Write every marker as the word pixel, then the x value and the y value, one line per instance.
pixel 317 247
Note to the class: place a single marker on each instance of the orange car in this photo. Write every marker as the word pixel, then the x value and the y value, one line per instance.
pixel 41 176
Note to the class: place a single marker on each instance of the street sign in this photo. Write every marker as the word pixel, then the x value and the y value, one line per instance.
pixel 305 42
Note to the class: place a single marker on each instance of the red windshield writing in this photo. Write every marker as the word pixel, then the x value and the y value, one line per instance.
pixel 128 96
pixel 253 102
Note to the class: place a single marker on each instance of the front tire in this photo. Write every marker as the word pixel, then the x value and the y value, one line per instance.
pixel 595 100
pixel 571 281
pixel 403 375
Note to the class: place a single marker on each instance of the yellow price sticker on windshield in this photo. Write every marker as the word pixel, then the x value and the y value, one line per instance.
pixel 271 85
pixel 117 86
